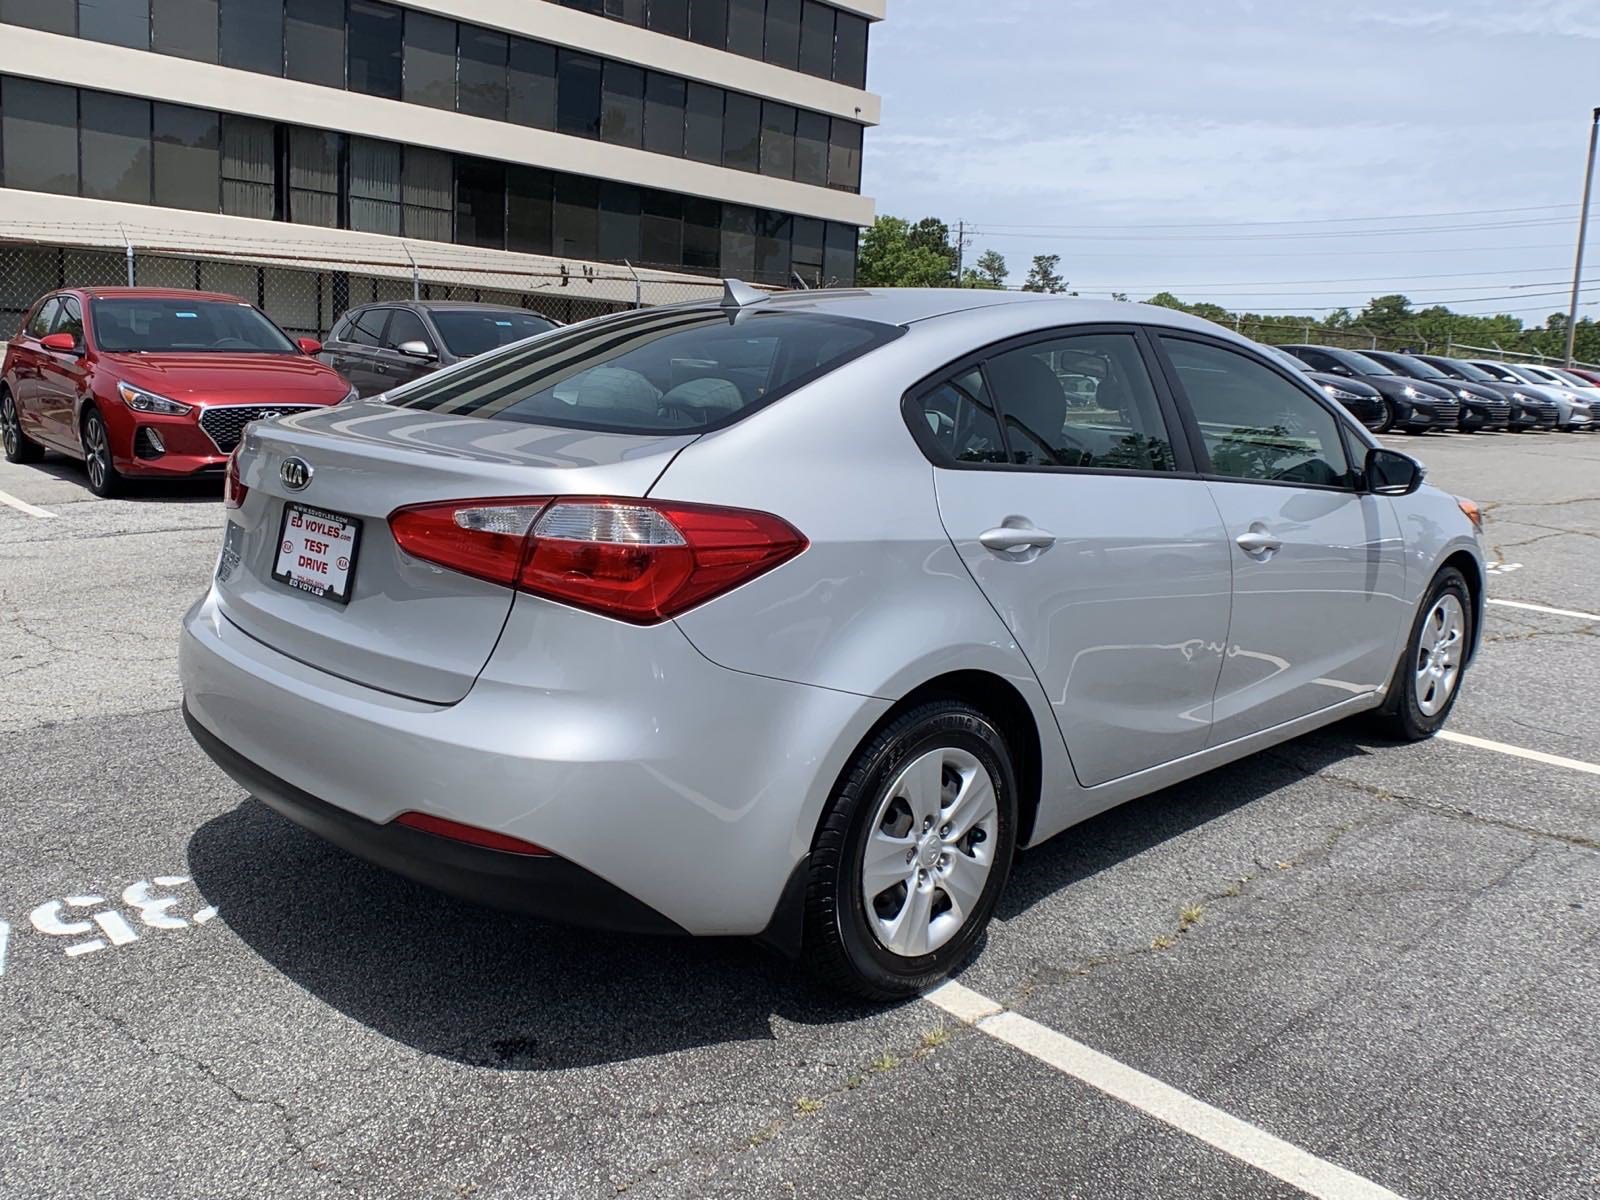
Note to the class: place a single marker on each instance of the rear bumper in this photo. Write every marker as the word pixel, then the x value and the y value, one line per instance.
pixel 542 887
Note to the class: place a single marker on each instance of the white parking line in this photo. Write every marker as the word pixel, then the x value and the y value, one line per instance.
pixel 1240 1139
pixel 1555 612
pixel 32 510
pixel 1538 756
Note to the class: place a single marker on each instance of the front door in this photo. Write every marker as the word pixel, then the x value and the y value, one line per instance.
pixel 1077 513
pixel 1318 565
pixel 406 328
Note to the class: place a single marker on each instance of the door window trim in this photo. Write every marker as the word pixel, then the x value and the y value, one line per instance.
pixel 1184 463
pixel 1191 423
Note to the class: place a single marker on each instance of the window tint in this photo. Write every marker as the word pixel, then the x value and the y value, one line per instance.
pixel 52 17
pixel 670 17
pixel 738 241
pixel 747 27
pixel 375 48
pixel 252 35
pixel 702 138
pixel 187 158
pixel 483 72
pixel 427 189
pixel 741 132
pixel 1081 401
pixel 477 331
pixel 669 371
pixel 619 221
pixel 366 327
pixel 375 186
pixel 314 41
pixel 844 156
pixel 314 177
pixel 430 60
pixel 816 39
pixel 1255 423
pixel 664 98
pixel 406 326
pixel 708 23
pixel 660 228
pixel 120 22
pixel 622 104
pixel 69 319
pixel 839 261
pixel 44 318
pixel 531 83
pixel 702 233
pixel 850 50
pixel 223 326
pixel 39 134
pixel 963 422
pixel 811 149
pixel 577 216
pixel 807 262
pixel 578 94
pixel 528 209
pixel 249 167
pixel 481 203
pixel 777 140
pixel 783 33
pixel 116 147
pixel 187 28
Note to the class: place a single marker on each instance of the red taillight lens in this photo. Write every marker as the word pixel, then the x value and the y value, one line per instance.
pixel 642 561
pixel 233 489
pixel 470 834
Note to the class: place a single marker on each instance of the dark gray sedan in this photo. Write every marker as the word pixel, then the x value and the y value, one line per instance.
pixel 380 346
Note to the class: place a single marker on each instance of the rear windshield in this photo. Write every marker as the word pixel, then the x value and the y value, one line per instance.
pixel 655 371
pixel 468 331
pixel 155 326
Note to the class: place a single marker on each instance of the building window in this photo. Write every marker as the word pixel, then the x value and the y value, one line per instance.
pixel 622 105
pixel 314 41
pixel 619 222
pixel 708 23
pixel 480 203
pixel 252 35
pixel 631 11
pixel 664 98
pixel 670 17
pixel 430 60
pixel 188 166
pixel 115 145
pixel 702 133
pixel 375 49
pixel 741 132
pixel 483 73
pixel 577 216
pixel 52 16
pixel 531 84
pixel 850 50
pixel 844 156
pixel 427 190
pixel 314 176
pixel 528 209
pixel 249 168
pixel 187 28
pixel 702 234
pixel 39 132
pixel 777 140
pixel 661 229
pixel 806 259
pixel 839 255
pixel 811 149
pixel 578 94
pixel 374 186
pixel 738 241
pixel 816 39
pixel 774 244
pixel 783 33
pixel 120 22
pixel 747 27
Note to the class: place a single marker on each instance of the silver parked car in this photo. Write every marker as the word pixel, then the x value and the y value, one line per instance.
pixel 797 616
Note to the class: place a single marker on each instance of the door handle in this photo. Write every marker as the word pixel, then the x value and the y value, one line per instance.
pixel 1258 541
pixel 1014 537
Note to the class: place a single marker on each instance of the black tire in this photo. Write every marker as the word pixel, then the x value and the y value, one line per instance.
pixel 840 945
pixel 1387 422
pixel 1402 716
pixel 98 464
pixel 19 447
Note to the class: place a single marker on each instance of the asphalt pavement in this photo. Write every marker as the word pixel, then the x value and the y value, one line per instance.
pixel 1342 967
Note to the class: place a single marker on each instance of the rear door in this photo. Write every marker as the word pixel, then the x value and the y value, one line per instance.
pixel 1318 564
pixel 62 374
pixel 27 359
pixel 1077 511
pixel 359 354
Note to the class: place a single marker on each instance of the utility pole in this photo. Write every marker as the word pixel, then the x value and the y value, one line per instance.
pixel 1583 232
pixel 961 249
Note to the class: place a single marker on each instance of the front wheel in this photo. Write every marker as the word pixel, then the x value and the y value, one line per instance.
pixel 1427 678
pixel 912 853
pixel 1385 422
pixel 19 447
pixel 104 480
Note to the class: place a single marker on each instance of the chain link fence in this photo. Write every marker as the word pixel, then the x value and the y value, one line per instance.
pixel 305 293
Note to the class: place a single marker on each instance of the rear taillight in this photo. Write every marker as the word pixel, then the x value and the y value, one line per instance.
pixel 233 489
pixel 642 561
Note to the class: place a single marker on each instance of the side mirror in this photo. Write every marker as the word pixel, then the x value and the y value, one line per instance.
pixel 417 349
pixel 61 343
pixel 308 345
pixel 1390 473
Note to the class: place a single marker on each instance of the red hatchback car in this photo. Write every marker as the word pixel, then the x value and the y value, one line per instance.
pixel 149 382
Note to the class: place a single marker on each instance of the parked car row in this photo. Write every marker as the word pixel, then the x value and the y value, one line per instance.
pixel 160 384
pixel 1417 393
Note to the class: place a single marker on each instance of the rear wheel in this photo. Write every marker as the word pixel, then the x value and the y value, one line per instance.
pixel 1427 678
pixel 19 447
pixel 104 480
pixel 912 853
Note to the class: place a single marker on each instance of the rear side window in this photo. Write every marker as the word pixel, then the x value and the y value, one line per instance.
pixel 962 422
pixel 660 371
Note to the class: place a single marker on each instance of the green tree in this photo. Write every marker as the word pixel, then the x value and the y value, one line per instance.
pixel 1043 276
pixel 1389 317
pixel 895 253
pixel 990 271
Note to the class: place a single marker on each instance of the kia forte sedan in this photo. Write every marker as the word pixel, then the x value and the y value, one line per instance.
pixel 795 617
pixel 149 383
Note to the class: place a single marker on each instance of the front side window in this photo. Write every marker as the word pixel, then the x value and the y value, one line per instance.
pixel 69 319
pixel 651 372
pixel 1081 401
pixel 43 318
pixel 366 327
pixel 1255 423
pixel 405 326
pixel 158 325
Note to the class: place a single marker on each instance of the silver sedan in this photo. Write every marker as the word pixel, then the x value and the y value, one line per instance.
pixel 795 617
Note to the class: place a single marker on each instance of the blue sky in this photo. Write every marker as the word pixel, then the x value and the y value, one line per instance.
pixel 1109 120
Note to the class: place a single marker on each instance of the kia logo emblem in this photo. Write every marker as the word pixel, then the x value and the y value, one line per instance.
pixel 295 473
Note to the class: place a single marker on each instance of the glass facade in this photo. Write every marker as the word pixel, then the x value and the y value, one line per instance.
pixel 140 152
pixel 381 49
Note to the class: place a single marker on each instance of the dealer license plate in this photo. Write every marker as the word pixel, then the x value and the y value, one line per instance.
pixel 317 551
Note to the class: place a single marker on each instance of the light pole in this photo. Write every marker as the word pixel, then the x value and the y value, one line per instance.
pixel 1583 232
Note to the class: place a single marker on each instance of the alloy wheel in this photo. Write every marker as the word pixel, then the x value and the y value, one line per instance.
pixel 929 851
pixel 10 430
pixel 97 456
pixel 1439 653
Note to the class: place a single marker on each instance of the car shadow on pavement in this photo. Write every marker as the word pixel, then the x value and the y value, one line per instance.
pixel 191 490
pixel 501 991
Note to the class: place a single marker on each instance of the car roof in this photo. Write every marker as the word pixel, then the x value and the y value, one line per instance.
pixel 139 293
pixel 445 305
